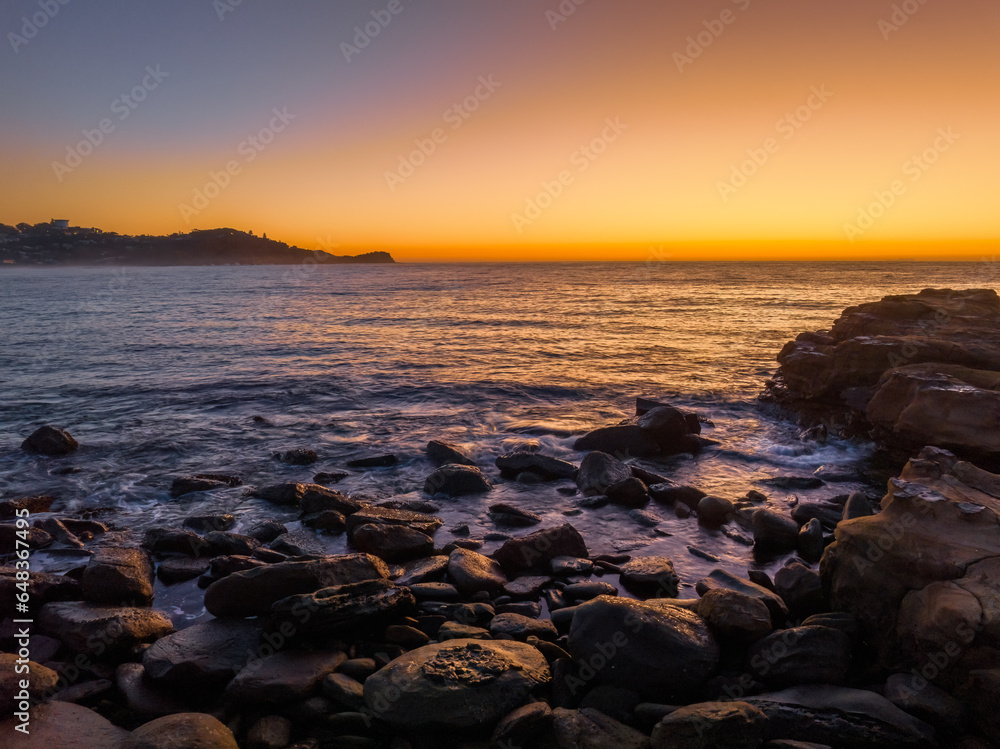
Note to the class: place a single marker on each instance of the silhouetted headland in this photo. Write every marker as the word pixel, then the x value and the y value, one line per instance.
pixel 55 243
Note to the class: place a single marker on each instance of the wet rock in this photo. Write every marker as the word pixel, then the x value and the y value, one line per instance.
pixel 590 589
pixel 459 631
pixel 544 467
pixel 535 551
pixel 412 504
pixel 170 540
pixel 503 513
pixel 87 692
pixel 471 572
pixel 592 729
pixel 734 617
pixel 857 506
pixel 283 677
pixel 598 471
pixel 517 627
pixel 523 725
pixel 218 543
pixel 801 655
pixel 840 717
pixel 344 691
pixel 568 566
pixel 434 592
pixel 118 576
pixel 50 440
pixel 206 655
pixel 58 531
pixel 375 461
pixel 345 609
pixel 726 580
pixel 327 520
pixel 714 511
pixel 253 592
pixel 671 494
pixel 792 483
pixel 828 513
pixel 36 538
pixel 707 725
pixel 595 502
pixel 457 481
pixel 615 702
pixel 393 543
pixel 527 586
pixel 405 636
pixel 650 577
pixel 423 570
pixel 66 726
pixel 308 497
pixel 444 453
pixel 801 589
pixel 270 732
pixel 773 531
pixel 387 516
pixel 456 684
pixel 142 696
pixel 645 519
pixel 202 482
pixel 209 523
pixel 630 492
pixel 179 569
pixel 984 688
pixel 330 477
pixel 651 646
pixel 107 631
pixel 182 731
pixel 921 699
pixel 626 439
pixel 299 456
pixel 34 505
pixel 43 587
pixel 40 681
pixel 811 541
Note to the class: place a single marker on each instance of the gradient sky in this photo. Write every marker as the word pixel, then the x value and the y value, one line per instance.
pixel 659 183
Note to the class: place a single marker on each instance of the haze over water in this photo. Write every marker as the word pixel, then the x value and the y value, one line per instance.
pixel 160 371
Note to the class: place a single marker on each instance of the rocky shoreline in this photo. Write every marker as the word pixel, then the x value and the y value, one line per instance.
pixel 883 630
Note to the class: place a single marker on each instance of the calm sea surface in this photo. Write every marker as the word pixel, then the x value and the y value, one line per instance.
pixel 158 372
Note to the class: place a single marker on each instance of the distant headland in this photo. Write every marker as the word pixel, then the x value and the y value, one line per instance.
pixel 58 243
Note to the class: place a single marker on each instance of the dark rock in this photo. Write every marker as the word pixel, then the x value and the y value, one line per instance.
pixel 107 631
pixel 457 481
pixel 590 589
pixel 283 677
pixel 921 699
pixel 598 471
pixel 393 543
pixel 726 580
pixel 345 609
pixel 34 505
pixel 142 696
pixel 434 592
pixel 857 506
pixel 209 523
pixel 308 497
pixel 517 627
pixel 630 492
pixel 652 646
pixel 299 456
pixel 792 483
pixel 412 504
pixel 202 482
pixel 58 531
pixel 327 520
pixel 406 636
pixel 204 656
pixel 456 684
pixel 535 551
pixel 39 681
pixel 179 569
pixel 801 655
pixel 523 725
pixel 229 544
pixel 543 466
pixel 423 570
pixel 86 692
pixel 527 586
pixel 330 477
pixel 828 513
pixel 42 588
pixel 377 461
pixel 253 592
pixel 344 691
pixel 714 511
pixel 457 631
pixel 773 531
pixel 650 577
pixel 801 589
pixel 444 453
pixel 387 516
pixel 64 725
pixel 510 515
pixel 623 440
pixel 617 703
pixel 36 538
pixel 733 616
pixel 170 540
pixel 118 576
pixel 645 519
pixel 592 729
pixel 49 440
pixel 840 717
pixel 182 731
pixel 595 502
pixel 811 541
pixel 568 566
pixel 471 572
pixel 707 725
pixel 270 732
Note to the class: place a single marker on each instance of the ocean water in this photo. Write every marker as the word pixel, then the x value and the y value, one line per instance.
pixel 158 372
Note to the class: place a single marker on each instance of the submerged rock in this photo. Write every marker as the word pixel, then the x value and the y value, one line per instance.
pixel 443 453
pixel 546 468
pixel 202 482
pixel 51 441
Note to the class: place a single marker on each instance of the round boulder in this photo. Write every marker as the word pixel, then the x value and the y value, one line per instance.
pixel 182 731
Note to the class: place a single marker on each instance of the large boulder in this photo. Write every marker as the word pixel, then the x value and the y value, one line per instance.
pixel 208 654
pixel 66 726
pixel 119 576
pixel 252 592
pixel 50 440
pixel 340 609
pixel 102 631
pixel 182 731
pixel 393 543
pixel 801 655
pixel 458 684
pixel 654 647
pixel 922 577
pixel 598 471
pixel 662 430
pixel 535 551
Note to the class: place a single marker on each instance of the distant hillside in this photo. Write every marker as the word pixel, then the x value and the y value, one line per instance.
pixel 49 244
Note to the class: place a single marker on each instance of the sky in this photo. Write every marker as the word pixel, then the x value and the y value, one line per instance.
pixel 512 129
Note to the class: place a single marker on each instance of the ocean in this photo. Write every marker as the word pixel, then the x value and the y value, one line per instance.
pixel 159 372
